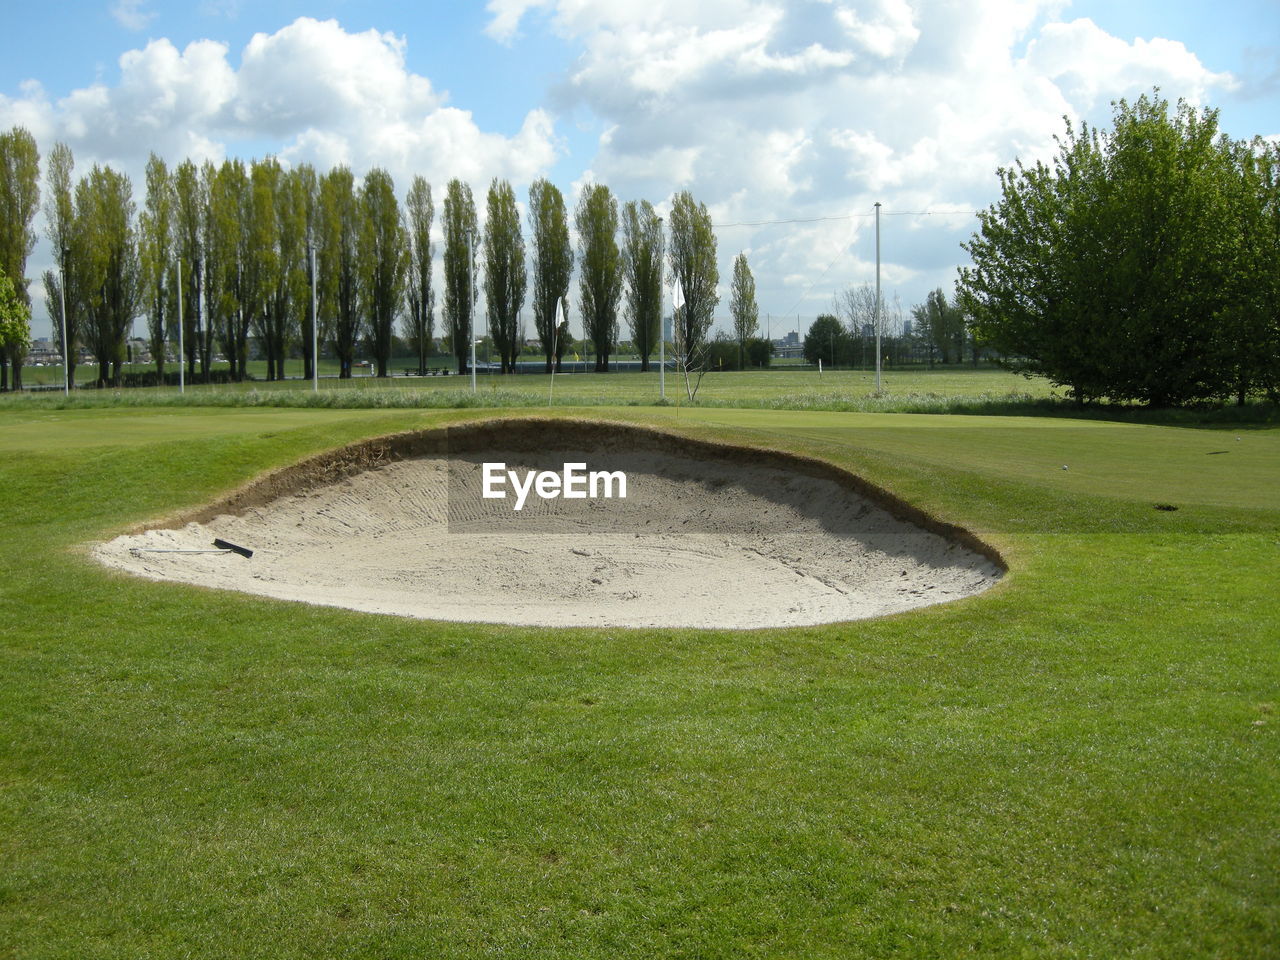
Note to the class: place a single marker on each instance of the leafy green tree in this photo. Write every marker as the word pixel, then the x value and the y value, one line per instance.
pixel 742 303
pixel 275 272
pixel 461 232
pixel 419 294
pixel 259 260
pixel 1116 269
pixel 600 279
pixel 692 253
pixel 504 272
pixel 15 320
pixel 942 325
pixel 308 186
pixel 105 208
pixel 155 227
pixel 642 252
pixel 340 231
pixel 827 340
pixel 19 200
pixel 190 205
pixel 59 218
pixel 759 352
pixel 227 192
pixel 383 261
pixel 1247 353
pixel 552 264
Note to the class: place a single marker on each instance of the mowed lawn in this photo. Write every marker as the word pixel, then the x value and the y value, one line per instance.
pixel 1082 762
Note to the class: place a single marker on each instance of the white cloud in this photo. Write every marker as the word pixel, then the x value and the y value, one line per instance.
pixel 310 91
pixel 130 15
pixel 804 109
pixel 1090 65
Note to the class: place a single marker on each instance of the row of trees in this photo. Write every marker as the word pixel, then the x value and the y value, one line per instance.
pixel 939 331
pixel 235 251
pixel 1142 264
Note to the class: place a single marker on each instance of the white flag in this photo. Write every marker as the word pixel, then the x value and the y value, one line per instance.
pixel 677 295
pixel 559 312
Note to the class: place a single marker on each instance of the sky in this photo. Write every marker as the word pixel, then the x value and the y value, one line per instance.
pixel 789 120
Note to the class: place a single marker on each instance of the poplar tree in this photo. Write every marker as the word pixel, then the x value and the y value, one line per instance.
pixel 742 305
pixel 227 192
pixel 383 261
pixel 459 225
pixel 504 273
pixel 420 296
pixel 19 200
pixel 692 254
pixel 190 202
pixel 552 264
pixel 340 220
pixel 600 279
pixel 155 255
pixel 642 253
pixel 59 218
pixel 105 214
pixel 308 186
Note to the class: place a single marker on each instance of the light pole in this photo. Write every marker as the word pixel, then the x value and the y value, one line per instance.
pixel 66 348
pixel 877 313
pixel 315 327
pixel 182 370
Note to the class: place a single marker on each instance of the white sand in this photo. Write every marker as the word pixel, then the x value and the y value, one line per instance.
pixel 696 543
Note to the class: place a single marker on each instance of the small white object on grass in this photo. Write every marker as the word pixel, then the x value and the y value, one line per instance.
pixel 1064 466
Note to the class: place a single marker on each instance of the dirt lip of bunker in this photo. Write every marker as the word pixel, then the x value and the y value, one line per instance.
pixel 710 534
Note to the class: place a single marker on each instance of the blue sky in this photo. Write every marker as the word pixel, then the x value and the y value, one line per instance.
pixel 766 111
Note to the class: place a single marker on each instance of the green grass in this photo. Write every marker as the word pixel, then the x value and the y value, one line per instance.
pixel 1082 762
pixel 963 390
pixel 750 387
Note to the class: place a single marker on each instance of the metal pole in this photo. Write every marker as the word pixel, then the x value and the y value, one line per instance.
pixel 877 313
pixel 315 328
pixel 66 347
pixel 182 369
pixel 471 333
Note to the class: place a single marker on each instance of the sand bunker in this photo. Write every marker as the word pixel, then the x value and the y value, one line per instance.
pixel 708 535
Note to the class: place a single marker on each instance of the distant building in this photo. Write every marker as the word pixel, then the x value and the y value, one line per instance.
pixel 790 347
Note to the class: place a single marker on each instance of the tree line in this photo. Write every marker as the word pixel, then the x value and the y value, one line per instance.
pixel 233 251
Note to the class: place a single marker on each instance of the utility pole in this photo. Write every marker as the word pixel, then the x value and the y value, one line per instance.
pixel 315 328
pixel 66 347
pixel 877 313
pixel 182 370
